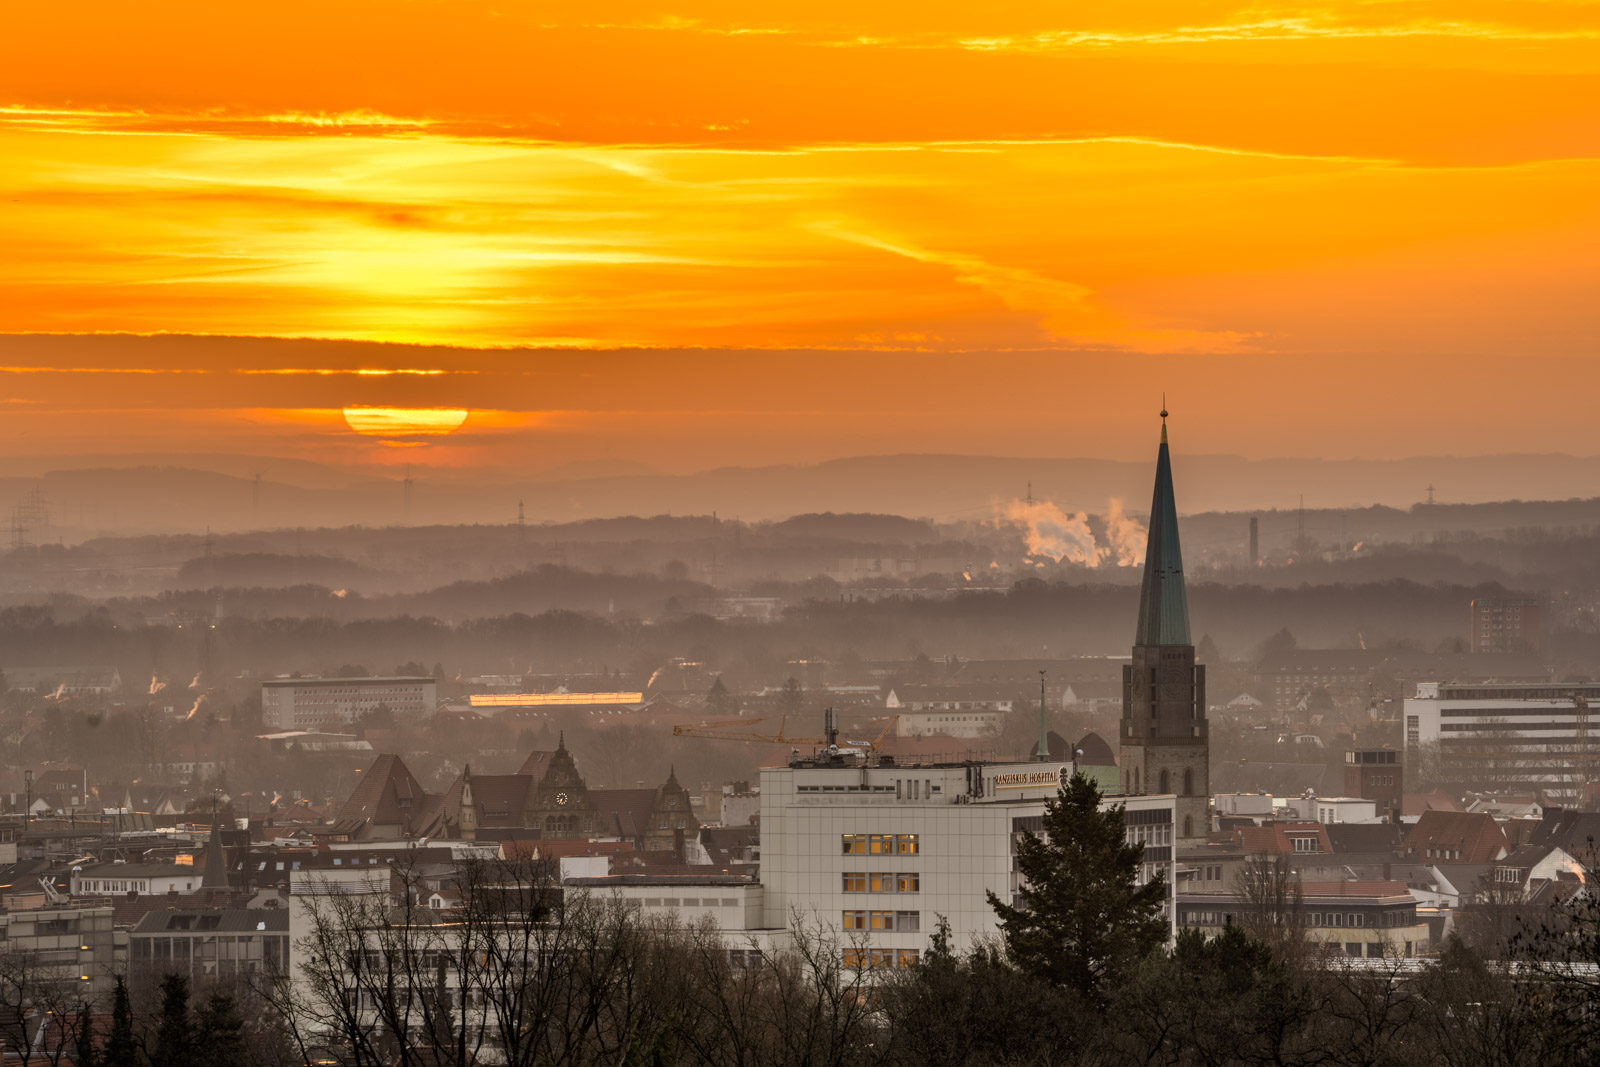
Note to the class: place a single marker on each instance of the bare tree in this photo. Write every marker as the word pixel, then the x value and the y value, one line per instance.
pixel 1273 909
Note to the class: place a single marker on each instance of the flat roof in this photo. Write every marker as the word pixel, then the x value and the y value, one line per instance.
pixel 282 682
pixel 660 880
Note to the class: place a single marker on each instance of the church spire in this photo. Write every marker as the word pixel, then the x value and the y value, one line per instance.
pixel 1163 603
pixel 216 868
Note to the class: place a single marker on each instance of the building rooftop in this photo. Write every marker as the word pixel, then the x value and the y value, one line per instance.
pixel 221 920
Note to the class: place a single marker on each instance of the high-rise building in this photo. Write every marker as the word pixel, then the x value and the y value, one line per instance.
pixel 1165 744
pixel 1501 624
pixel 1507 737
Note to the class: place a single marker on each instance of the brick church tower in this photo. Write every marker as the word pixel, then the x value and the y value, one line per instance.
pixel 1164 739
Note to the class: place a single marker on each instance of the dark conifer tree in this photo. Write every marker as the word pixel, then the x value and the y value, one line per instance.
pixel 1081 918
pixel 121 1050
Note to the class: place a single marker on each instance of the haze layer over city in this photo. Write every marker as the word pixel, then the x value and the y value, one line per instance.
pixel 850 535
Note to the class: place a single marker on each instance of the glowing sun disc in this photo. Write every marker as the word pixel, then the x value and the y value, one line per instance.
pixel 405 422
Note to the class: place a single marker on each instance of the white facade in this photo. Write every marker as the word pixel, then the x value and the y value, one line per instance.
pixel 1250 805
pixel 734 904
pixel 1330 810
pixel 138 879
pixel 1512 736
pixel 301 703
pixel 969 722
pixel 879 853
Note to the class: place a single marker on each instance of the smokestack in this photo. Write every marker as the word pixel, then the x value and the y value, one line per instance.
pixel 1255 541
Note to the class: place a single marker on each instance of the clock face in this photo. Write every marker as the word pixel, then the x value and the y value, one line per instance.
pixel 561 798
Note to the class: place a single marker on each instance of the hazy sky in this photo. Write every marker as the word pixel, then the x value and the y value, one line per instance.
pixel 1319 223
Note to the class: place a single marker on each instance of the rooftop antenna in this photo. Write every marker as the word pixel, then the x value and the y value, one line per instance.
pixel 1042 753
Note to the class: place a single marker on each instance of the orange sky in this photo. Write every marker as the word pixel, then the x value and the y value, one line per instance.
pixel 1349 201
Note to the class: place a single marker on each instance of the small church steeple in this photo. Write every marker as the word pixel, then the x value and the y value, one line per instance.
pixel 216 869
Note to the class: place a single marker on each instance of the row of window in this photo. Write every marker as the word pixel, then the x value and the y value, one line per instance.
pixel 687 902
pixel 860 959
pixel 881 844
pixel 906 922
pixel 882 882
pixel 1358 919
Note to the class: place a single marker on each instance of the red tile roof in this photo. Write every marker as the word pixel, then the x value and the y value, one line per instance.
pixel 1457 836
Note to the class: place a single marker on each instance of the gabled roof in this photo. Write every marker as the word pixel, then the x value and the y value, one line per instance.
pixel 388 795
pixel 1463 836
pixel 536 763
pixel 1576 831
pixel 625 810
pixel 1276 838
pixel 1163 602
pixel 1365 837
pixel 1438 800
pixel 501 799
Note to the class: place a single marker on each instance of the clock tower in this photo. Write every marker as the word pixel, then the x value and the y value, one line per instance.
pixel 1165 744
pixel 560 805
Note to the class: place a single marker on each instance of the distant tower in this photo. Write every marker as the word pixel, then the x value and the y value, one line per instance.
pixel 1255 541
pixel 216 867
pixel 1430 494
pixel 408 483
pixel 1166 747
pixel 522 523
pixel 255 499
pixel 1030 493
pixel 1042 752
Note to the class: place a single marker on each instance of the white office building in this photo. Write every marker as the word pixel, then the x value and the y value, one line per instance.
pixel 306 703
pixel 880 852
pixel 1507 737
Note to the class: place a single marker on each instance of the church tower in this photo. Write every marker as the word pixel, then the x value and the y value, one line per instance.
pixel 1165 745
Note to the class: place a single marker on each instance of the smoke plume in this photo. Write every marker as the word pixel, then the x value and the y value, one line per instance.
pixel 1052 534
pixel 1125 536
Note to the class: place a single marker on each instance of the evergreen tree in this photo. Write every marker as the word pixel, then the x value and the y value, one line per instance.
pixel 1081 920
pixel 792 697
pixel 121 1050
pixel 719 700
pixel 175 1032
pixel 85 1054
pixel 218 1032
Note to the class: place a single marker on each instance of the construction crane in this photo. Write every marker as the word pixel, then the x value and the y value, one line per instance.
pixel 745 730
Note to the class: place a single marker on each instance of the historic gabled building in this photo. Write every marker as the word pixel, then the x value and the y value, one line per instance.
pixel 547 795
pixel 1165 745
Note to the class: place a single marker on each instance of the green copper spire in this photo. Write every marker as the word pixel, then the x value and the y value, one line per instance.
pixel 1163 605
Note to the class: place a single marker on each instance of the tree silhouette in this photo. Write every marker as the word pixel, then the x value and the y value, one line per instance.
pixel 1081 919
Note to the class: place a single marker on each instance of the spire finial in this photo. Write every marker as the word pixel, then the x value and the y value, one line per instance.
pixel 1163 418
